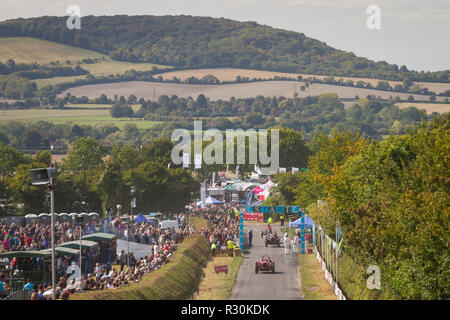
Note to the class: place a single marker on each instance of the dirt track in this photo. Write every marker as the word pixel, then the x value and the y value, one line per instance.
pixel 284 284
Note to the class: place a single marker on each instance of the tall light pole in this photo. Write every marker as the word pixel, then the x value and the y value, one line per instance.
pixel 46 176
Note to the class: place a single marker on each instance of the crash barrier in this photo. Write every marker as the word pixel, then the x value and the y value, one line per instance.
pixel 19 295
pixel 177 280
pixel 17 292
pixel 327 252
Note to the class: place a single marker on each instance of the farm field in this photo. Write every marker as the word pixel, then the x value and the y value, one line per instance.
pixel 29 50
pixel 230 74
pixel 149 90
pixel 52 81
pixel 429 107
pixel 81 116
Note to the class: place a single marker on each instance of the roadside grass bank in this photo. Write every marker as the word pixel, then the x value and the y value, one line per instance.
pixel 218 286
pixel 176 280
pixel 314 285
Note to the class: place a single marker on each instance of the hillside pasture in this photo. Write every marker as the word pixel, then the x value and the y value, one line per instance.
pixel 86 116
pixel 30 50
pixel 151 90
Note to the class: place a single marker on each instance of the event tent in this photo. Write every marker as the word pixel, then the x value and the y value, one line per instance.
pixel 210 200
pixel 99 236
pixel 63 251
pixel 257 190
pixel 308 222
pixel 140 218
pixel 76 244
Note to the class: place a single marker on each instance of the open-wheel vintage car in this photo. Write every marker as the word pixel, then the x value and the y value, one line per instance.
pixel 272 239
pixel 265 265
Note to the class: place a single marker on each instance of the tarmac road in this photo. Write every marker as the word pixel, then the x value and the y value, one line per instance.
pixel 284 284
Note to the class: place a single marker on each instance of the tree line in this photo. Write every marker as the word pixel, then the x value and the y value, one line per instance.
pixel 203 42
pixel 391 201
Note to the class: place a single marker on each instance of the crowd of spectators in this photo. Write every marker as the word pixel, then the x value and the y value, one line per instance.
pixel 98 272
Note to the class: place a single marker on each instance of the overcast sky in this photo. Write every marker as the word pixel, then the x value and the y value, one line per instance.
pixel 415 33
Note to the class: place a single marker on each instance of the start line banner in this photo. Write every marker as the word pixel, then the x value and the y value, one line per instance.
pixel 254 216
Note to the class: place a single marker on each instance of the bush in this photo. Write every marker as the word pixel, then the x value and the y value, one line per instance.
pixel 121 110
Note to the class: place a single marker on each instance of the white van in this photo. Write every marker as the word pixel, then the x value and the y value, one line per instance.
pixel 169 224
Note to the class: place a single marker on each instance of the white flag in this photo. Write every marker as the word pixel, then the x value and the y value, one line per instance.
pixel 259 171
pixel 186 160
pixel 203 195
pixel 168 166
pixel 226 175
pixel 198 161
pixel 133 203
pixel 282 170
pixel 213 178
pixel 294 170
pixel 237 173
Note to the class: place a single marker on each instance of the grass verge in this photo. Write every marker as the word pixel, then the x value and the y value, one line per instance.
pixel 177 280
pixel 218 286
pixel 199 223
pixel 314 285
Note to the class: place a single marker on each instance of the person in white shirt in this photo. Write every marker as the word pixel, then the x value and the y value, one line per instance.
pixel 296 243
pixel 287 243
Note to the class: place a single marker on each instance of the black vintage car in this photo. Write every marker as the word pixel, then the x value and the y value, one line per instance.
pixel 272 239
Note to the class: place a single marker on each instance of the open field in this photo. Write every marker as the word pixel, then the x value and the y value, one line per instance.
pixel 52 81
pixel 29 50
pixel 429 107
pixel 86 116
pixel 230 74
pixel 149 90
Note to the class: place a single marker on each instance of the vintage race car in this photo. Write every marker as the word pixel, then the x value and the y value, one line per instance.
pixel 265 265
pixel 272 240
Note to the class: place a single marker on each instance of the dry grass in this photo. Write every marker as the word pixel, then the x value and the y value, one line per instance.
pixel 230 74
pixel 218 286
pixel 29 50
pixel 152 90
pixel 429 107
pixel 314 285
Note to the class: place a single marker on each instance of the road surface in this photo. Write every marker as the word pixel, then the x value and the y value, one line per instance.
pixel 284 284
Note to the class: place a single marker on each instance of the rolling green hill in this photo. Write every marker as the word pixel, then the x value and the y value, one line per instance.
pixel 203 42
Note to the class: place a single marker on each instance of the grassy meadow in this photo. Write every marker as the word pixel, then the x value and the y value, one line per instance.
pixel 30 50
pixel 77 114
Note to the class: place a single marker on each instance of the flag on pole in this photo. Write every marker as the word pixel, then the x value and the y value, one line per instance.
pixel 282 170
pixel 294 170
pixel 186 160
pixel 203 196
pixel 198 161
pixel 237 173
pixel 226 175
pixel 168 166
pixel 213 178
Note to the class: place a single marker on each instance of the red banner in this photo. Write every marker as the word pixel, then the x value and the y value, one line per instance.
pixel 218 269
pixel 257 216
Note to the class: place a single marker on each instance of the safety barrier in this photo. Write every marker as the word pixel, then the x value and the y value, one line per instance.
pixel 327 252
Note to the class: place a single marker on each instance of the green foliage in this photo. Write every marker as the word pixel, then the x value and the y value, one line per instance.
pixel 195 42
pixel 119 110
